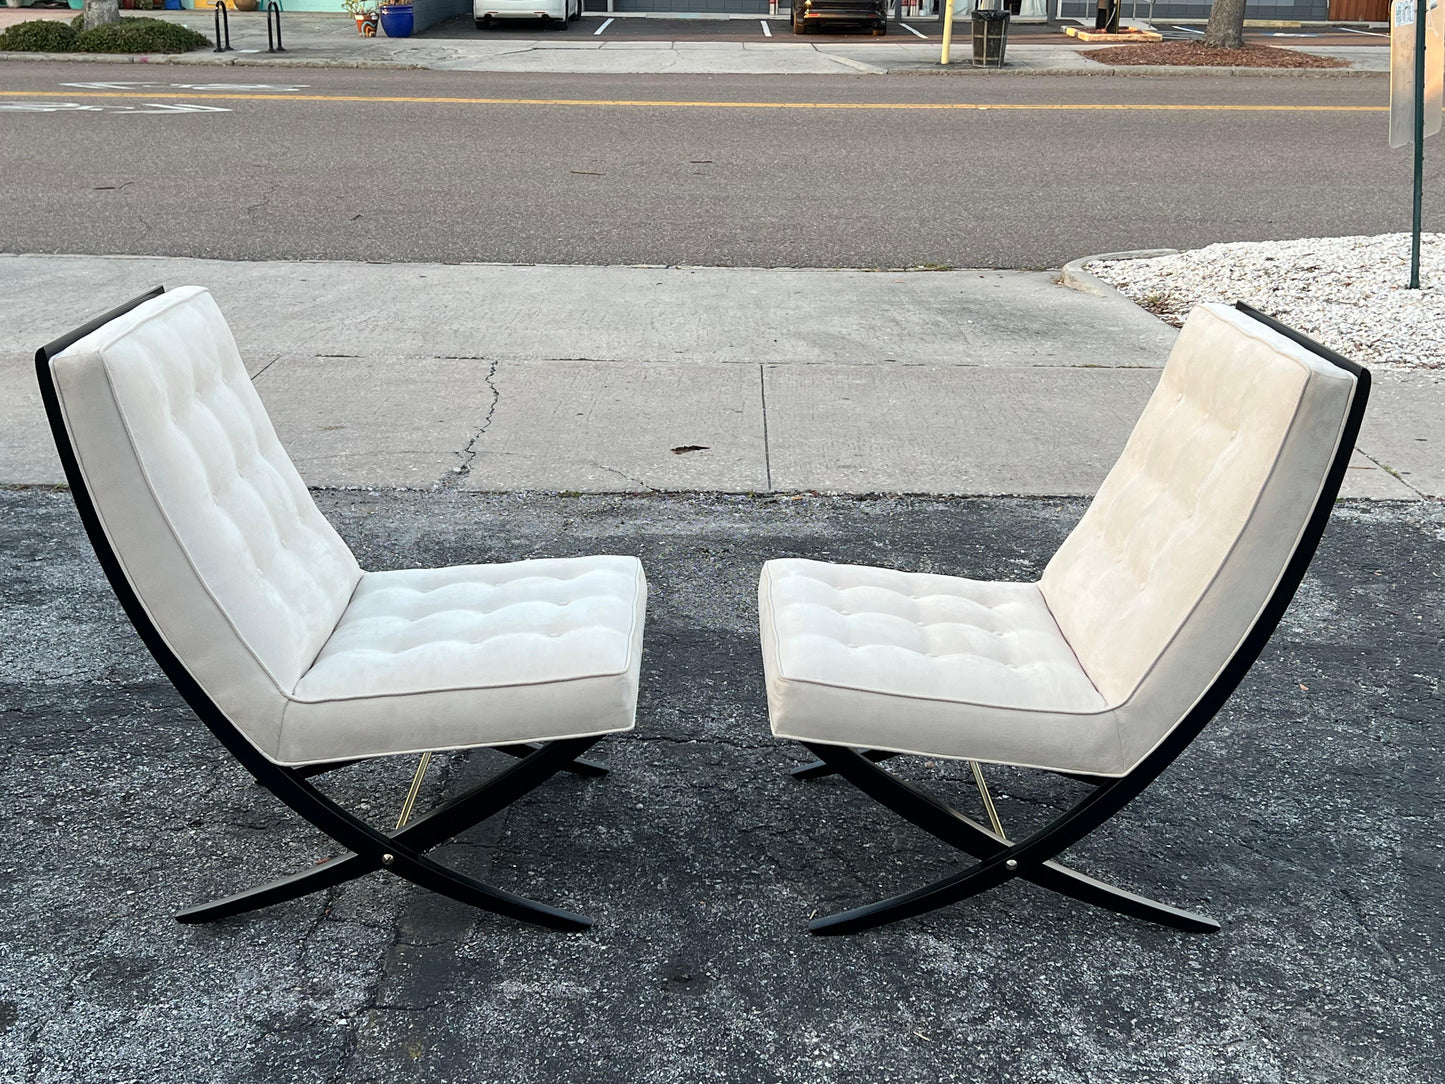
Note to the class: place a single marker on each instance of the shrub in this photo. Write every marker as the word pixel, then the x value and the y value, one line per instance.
pixel 39 36
pixel 139 36
pixel 126 36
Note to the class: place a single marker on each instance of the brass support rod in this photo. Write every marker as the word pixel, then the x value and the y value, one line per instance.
pixel 407 806
pixel 987 800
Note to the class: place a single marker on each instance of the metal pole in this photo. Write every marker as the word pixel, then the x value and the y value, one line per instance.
pixel 1419 140
pixel 988 805
pixel 410 803
pixel 947 31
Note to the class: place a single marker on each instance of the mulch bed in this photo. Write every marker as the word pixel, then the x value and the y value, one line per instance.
pixel 1201 55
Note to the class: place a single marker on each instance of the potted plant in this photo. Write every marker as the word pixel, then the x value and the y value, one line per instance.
pixel 364 11
pixel 396 20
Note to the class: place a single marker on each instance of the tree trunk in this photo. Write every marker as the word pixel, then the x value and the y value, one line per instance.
pixel 1226 24
pixel 100 13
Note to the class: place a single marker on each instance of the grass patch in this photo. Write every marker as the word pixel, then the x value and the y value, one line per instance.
pixel 126 36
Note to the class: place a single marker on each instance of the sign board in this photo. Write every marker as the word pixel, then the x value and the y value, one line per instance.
pixel 1403 16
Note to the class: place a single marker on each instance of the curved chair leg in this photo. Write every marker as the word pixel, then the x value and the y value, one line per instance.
pixel 400 852
pixel 328 874
pixel 951 827
pixel 431 875
pixel 1086 889
pixel 441 879
pixel 819 769
pixel 585 768
pixel 962 885
pixel 311 771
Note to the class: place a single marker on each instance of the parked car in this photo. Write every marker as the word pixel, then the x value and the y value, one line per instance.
pixel 556 12
pixel 810 14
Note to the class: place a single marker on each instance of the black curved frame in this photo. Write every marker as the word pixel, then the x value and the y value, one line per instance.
pixel 1032 858
pixel 401 852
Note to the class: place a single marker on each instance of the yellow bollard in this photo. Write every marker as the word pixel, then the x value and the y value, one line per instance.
pixel 947 31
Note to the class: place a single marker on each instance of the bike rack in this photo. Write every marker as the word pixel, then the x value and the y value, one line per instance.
pixel 273 8
pixel 222 19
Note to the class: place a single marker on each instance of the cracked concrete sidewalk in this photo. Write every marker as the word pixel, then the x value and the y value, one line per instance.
pixel 668 379
pixel 1308 818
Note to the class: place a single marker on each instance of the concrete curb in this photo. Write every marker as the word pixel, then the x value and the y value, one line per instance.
pixel 857 65
pixel 211 60
pixel 1099 70
pixel 1076 278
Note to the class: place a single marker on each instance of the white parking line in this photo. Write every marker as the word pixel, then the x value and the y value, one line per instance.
pixel 912 31
pixel 1367 33
pixel 767 30
pixel 604 26
pixel 1190 30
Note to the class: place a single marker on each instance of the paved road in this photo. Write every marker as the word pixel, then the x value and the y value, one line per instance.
pixel 756 171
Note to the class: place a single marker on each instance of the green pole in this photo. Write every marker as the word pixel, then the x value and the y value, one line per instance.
pixel 1419 140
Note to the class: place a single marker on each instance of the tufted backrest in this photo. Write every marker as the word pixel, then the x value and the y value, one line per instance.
pixel 1191 531
pixel 216 532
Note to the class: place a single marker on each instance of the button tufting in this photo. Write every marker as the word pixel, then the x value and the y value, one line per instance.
pixel 922 634
pixel 479 626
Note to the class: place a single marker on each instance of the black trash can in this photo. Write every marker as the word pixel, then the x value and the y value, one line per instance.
pixel 990 37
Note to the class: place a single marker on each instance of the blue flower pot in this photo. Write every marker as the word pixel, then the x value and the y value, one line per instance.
pixel 396 20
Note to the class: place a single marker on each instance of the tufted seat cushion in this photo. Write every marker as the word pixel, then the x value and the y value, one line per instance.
pixel 502 652
pixel 1140 609
pixel 263 603
pixel 920 663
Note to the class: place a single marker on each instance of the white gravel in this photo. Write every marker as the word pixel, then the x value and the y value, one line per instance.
pixel 1347 292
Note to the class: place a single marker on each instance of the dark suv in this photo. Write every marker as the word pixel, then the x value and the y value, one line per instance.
pixel 809 14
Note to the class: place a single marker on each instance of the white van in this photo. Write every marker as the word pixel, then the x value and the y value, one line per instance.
pixel 556 12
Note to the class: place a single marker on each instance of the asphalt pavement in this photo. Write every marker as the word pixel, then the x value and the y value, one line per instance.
pixel 840 170
pixel 1307 818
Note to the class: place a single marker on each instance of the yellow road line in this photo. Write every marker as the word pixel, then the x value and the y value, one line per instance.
pixel 981 107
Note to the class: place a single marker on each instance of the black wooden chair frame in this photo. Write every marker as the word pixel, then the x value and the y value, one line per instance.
pixel 401 852
pixel 1032 858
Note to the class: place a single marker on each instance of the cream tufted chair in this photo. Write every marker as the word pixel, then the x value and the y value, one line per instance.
pixel 1141 626
pixel 295 658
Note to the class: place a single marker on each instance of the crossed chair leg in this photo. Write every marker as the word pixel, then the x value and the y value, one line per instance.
pixel 401 852
pixel 999 859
